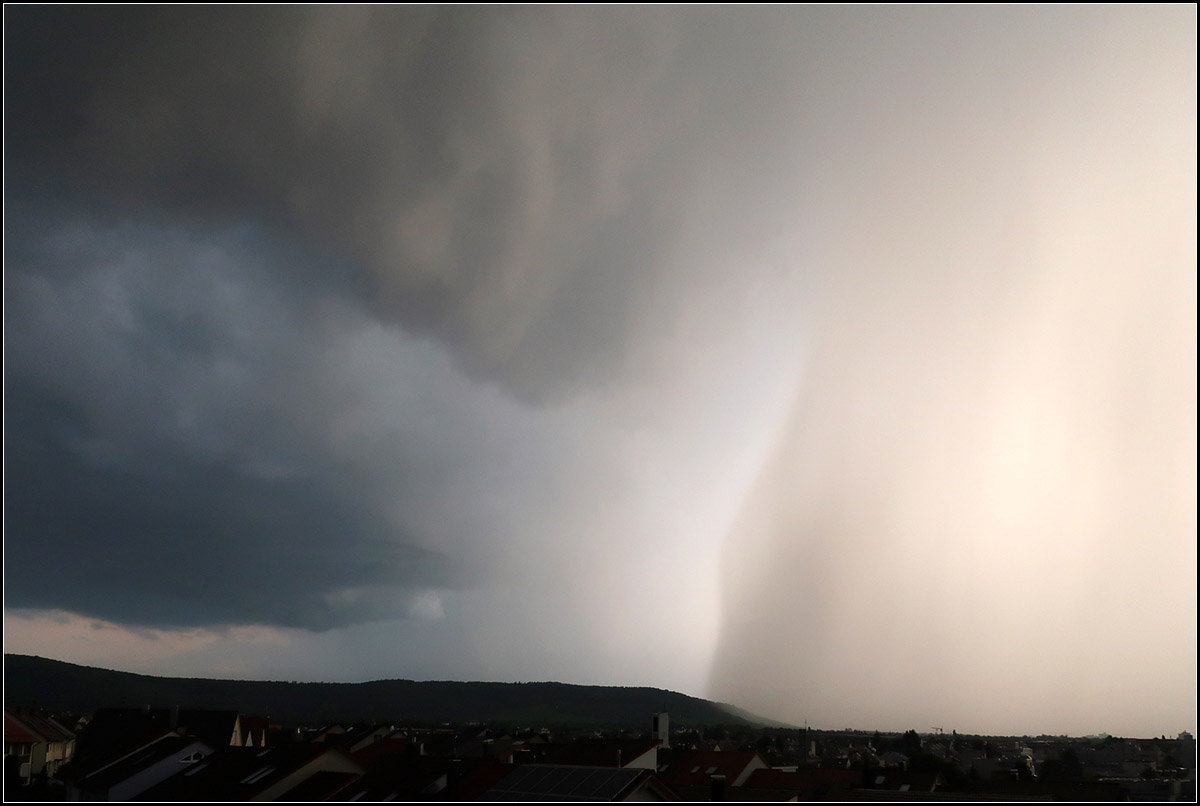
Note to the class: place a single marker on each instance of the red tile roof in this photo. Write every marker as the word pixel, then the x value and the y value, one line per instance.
pixel 598 752
pixel 321 786
pixel 25 726
pixel 384 751
pixel 807 784
pixel 17 731
pixel 697 767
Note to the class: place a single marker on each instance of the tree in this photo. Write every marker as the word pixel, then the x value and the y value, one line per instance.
pixel 910 743
pixel 1067 767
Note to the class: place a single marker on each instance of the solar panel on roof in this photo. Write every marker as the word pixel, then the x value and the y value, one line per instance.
pixel 571 782
pixel 614 783
pixel 596 784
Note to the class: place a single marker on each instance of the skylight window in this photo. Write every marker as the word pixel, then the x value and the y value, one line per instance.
pixel 258 776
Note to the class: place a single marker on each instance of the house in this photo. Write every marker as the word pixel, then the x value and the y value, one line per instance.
pixel 218 728
pixel 37 744
pixel 254 731
pixel 808 784
pixel 563 782
pixel 249 773
pixel 694 767
pixel 128 776
pixel 634 753
pixel 425 778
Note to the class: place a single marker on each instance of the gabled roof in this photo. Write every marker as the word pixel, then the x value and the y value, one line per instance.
pixel 697 767
pixel 112 734
pixel 807 784
pixel 215 727
pixel 385 751
pixel 26 726
pixel 254 730
pixel 15 730
pixel 322 786
pixel 246 773
pixel 104 779
pixel 555 782
pixel 599 752
pixel 425 778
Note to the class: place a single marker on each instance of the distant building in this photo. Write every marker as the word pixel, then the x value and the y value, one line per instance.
pixel 661 730
pixel 1187 750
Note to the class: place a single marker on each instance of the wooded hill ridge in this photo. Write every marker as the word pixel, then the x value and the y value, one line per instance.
pixel 56 686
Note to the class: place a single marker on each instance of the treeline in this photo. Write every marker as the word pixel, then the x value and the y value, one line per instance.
pixel 57 686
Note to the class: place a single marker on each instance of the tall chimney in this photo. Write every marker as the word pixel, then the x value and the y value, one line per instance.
pixel 661 729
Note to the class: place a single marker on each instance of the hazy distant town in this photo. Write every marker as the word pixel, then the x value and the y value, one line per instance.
pixel 593 751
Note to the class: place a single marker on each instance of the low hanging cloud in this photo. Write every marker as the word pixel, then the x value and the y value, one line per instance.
pixel 160 454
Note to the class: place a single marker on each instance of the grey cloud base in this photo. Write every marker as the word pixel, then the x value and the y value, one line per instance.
pixel 213 206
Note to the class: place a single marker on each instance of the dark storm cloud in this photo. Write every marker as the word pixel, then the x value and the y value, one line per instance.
pixel 513 181
pixel 239 241
pixel 175 542
pixel 159 395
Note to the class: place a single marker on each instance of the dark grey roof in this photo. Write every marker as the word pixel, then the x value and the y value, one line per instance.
pixel 561 782
pixel 103 780
pixel 235 773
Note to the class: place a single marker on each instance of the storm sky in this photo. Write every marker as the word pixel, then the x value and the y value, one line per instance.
pixel 836 362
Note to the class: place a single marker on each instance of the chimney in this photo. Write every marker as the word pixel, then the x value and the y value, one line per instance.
pixel 718 789
pixel 454 780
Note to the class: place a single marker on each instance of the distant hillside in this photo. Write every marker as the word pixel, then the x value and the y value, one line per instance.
pixel 58 686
